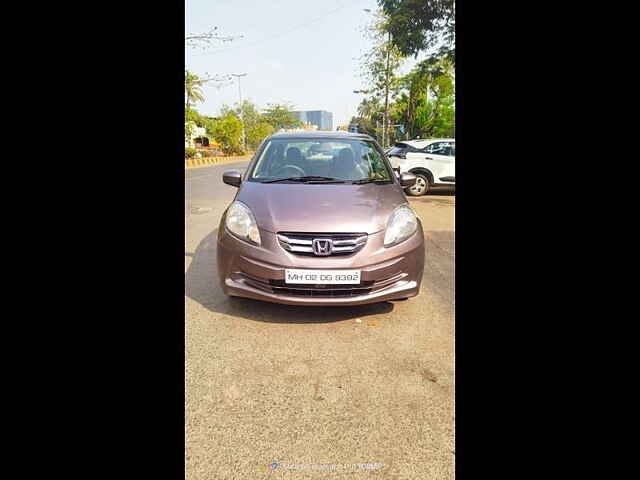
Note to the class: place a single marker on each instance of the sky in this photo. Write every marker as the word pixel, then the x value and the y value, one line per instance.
pixel 303 52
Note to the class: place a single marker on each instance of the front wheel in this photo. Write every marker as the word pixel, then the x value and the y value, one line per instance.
pixel 420 188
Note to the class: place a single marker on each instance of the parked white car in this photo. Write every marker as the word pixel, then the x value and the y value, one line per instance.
pixel 432 161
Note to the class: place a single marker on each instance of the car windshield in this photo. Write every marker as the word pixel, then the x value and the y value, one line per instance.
pixel 320 160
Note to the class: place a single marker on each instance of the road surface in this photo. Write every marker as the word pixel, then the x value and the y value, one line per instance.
pixel 317 388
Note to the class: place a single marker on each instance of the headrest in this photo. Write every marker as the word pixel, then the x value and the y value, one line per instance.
pixel 294 155
pixel 346 155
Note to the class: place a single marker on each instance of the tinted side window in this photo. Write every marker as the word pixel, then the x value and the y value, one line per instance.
pixel 404 148
pixel 396 151
pixel 441 148
pixel 433 148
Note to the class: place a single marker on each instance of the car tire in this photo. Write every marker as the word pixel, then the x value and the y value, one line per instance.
pixel 420 188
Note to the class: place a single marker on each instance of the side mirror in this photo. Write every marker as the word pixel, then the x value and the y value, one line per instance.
pixel 407 179
pixel 233 178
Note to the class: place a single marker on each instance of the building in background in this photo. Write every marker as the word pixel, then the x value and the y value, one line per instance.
pixel 198 133
pixel 321 119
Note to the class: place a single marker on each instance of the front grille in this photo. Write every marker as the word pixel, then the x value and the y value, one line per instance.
pixel 322 292
pixel 302 243
pixel 365 287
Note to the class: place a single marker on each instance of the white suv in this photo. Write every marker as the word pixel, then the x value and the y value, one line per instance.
pixel 432 161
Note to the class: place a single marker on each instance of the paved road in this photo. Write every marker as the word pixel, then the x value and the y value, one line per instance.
pixel 306 385
pixel 203 186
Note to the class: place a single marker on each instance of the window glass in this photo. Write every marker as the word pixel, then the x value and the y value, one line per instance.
pixel 398 149
pixel 441 148
pixel 336 158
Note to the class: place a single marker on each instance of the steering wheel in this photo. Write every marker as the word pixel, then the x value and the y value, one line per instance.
pixel 292 167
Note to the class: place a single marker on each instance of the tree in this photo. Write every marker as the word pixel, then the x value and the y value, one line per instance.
pixel 280 116
pixel 227 132
pixel 427 105
pixel 440 111
pixel 250 114
pixel 379 66
pixel 417 25
pixel 257 133
pixel 192 88
pixel 188 131
pixel 370 113
pixel 370 108
pixel 192 115
pixel 256 126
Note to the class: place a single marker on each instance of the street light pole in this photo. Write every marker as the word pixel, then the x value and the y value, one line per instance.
pixel 243 137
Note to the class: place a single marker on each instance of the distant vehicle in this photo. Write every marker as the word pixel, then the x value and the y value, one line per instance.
pixel 432 161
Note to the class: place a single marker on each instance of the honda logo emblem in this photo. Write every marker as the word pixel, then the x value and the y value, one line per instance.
pixel 322 246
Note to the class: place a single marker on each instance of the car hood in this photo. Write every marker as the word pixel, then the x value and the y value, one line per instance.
pixel 330 208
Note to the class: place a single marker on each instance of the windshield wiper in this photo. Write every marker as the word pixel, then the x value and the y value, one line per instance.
pixel 370 180
pixel 307 178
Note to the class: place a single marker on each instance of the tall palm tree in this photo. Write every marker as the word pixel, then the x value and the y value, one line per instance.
pixel 370 108
pixel 192 88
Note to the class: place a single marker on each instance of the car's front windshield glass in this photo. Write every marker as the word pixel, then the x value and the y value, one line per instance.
pixel 320 160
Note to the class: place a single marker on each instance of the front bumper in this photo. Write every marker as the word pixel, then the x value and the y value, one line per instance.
pixel 258 272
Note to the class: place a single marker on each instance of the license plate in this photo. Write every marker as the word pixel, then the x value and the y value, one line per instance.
pixel 322 277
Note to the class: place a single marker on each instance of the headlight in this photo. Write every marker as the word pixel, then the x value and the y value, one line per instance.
pixel 242 224
pixel 402 224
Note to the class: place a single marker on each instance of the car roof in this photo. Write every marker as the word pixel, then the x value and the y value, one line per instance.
pixel 337 134
pixel 421 142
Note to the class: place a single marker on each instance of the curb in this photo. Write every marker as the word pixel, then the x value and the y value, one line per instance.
pixel 202 162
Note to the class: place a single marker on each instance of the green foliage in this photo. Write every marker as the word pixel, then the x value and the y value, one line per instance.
pixel 280 116
pixel 380 64
pixel 256 125
pixel 191 115
pixel 368 126
pixel 227 132
pixel 417 25
pixel 423 101
pixel 227 129
pixel 208 123
pixel 257 133
pixel 379 68
pixel 189 152
pixel 192 88
pixel 250 114
pixel 207 153
pixel 424 104
pixel 431 103
pixel 188 130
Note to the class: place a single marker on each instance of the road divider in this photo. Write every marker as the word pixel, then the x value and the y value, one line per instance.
pixel 206 161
